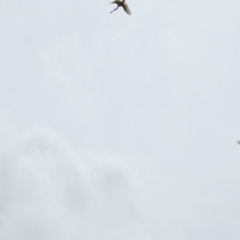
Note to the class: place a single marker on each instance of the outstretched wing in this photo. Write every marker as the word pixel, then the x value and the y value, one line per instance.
pixel 117 1
pixel 126 8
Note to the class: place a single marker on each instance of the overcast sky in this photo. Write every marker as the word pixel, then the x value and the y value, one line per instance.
pixel 117 127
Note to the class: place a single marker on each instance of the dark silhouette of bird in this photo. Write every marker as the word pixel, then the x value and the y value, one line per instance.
pixel 121 3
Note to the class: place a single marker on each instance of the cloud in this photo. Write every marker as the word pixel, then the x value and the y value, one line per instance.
pixel 119 128
pixel 49 191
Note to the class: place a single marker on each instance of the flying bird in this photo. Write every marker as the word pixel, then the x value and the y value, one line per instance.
pixel 121 3
pixel 238 141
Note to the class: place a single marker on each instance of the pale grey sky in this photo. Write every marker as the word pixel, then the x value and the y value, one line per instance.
pixel 117 127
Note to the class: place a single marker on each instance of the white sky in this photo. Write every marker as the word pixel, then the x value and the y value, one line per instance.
pixel 117 127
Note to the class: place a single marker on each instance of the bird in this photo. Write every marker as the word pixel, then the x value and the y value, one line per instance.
pixel 121 3
pixel 238 141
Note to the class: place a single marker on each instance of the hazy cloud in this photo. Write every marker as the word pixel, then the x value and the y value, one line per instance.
pixel 117 127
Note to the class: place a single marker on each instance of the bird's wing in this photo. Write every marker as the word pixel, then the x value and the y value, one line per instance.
pixel 126 9
pixel 116 1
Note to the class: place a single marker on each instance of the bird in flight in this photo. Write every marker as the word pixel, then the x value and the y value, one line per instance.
pixel 121 3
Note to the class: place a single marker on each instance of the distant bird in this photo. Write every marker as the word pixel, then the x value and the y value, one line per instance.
pixel 238 141
pixel 121 3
